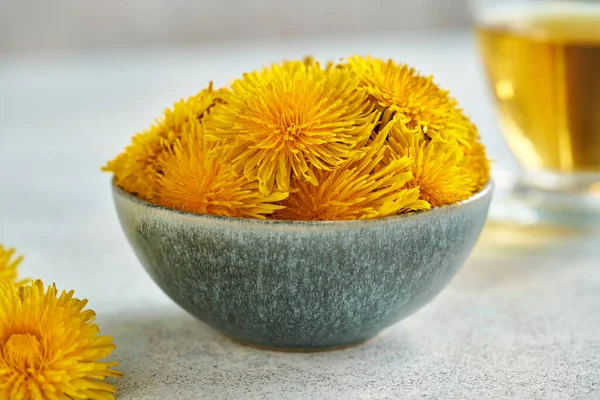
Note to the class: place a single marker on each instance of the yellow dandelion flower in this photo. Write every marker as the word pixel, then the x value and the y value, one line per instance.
pixel 9 265
pixel 135 168
pixel 357 190
pixel 50 348
pixel 438 168
pixel 291 119
pixel 193 180
pixel 400 88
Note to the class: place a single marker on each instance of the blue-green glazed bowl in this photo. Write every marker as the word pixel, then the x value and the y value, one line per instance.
pixel 301 285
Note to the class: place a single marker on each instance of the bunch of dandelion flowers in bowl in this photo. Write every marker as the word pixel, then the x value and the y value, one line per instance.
pixel 300 141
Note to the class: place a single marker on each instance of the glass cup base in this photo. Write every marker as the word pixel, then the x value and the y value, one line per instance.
pixel 545 198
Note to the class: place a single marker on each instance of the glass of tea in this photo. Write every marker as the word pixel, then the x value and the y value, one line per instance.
pixel 542 60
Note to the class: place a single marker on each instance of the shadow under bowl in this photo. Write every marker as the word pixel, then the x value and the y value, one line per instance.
pixel 297 286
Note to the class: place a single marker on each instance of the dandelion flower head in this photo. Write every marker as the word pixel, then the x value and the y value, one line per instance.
pixel 50 348
pixel 438 167
pixel 136 167
pixel 193 180
pixel 290 120
pixel 359 190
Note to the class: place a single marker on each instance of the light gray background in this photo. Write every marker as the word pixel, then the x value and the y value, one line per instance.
pixel 32 25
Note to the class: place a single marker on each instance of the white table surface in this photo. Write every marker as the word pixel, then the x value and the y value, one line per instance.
pixel 520 320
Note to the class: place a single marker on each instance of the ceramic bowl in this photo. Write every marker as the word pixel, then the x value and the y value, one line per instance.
pixel 294 285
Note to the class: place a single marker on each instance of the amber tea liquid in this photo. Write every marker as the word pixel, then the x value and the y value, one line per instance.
pixel 544 69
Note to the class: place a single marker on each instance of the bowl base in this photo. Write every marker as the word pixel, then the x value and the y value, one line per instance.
pixel 299 349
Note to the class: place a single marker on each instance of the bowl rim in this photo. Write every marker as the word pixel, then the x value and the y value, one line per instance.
pixel 483 193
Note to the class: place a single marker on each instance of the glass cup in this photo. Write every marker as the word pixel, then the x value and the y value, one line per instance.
pixel 542 60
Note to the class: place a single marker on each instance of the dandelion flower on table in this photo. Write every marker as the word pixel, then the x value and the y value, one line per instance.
pixel 136 167
pixel 50 347
pixel 290 120
pixel 193 180
pixel 438 168
pixel 358 190
pixel 9 264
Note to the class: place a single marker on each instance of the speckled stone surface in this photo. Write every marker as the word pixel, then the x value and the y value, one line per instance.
pixel 520 321
pixel 302 285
